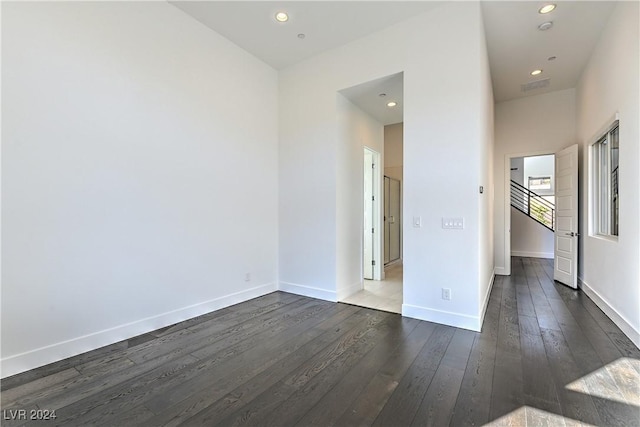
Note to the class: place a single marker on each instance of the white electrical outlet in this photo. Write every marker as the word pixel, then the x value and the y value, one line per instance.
pixel 446 294
pixel 247 277
pixel 453 223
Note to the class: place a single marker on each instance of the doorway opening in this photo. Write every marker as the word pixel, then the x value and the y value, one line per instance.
pixel 532 192
pixel 541 210
pixel 382 292
pixel 381 261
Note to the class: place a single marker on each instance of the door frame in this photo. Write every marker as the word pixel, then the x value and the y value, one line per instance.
pixel 378 235
pixel 507 202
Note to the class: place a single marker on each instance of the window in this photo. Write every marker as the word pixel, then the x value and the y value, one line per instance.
pixel 540 183
pixel 605 162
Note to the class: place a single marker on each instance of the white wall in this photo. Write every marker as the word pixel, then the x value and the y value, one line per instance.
pixel 518 174
pixel 356 130
pixel 486 180
pixel 529 238
pixel 518 132
pixel 393 151
pixel 437 101
pixel 139 175
pixel 609 270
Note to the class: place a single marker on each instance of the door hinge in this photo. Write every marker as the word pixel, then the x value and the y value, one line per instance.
pixel 373 198
pixel 373 262
pixel 373 231
pixel 373 165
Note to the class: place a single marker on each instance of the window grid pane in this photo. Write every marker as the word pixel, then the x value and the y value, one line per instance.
pixel 614 157
pixel 604 187
pixel 605 164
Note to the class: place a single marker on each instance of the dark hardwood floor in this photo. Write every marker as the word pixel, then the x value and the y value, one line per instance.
pixel 546 356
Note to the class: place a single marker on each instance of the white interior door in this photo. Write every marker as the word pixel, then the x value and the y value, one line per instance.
pixel 565 266
pixel 369 216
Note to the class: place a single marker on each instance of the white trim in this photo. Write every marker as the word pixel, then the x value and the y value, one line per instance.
pixel 604 237
pixel 393 263
pixel 485 303
pixel 308 291
pixel 378 189
pixel 547 255
pixel 593 202
pixel 52 353
pixel 443 317
pixel 349 290
pixel 604 129
pixel 506 260
pixel 500 271
pixel 617 318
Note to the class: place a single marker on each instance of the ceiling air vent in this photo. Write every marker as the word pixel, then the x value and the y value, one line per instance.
pixel 538 84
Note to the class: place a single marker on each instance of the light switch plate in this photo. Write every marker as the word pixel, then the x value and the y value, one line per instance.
pixel 417 221
pixel 453 223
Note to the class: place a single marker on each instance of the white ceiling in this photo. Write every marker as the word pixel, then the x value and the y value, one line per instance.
pixel 367 97
pixel 515 45
pixel 325 24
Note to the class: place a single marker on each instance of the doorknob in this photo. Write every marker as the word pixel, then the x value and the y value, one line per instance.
pixel 572 234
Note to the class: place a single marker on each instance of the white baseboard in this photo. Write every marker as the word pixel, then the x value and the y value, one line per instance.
pixel 617 318
pixel 457 320
pixel 308 291
pixel 485 302
pixel 350 290
pixel 500 271
pixel 547 255
pixel 393 263
pixel 52 353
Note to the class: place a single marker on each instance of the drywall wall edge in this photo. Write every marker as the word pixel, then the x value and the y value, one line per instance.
pixel 485 302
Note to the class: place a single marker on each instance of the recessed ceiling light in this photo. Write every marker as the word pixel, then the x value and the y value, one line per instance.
pixel 301 36
pixel 536 72
pixel 282 17
pixel 382 95
pixel 547 8
pixel 545 26
pixel 392 104
pixel 551 58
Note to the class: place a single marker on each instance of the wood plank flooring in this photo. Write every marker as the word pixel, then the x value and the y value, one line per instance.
pixel 546 356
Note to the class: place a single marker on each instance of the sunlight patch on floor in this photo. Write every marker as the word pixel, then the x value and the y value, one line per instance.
pixel 618 381
pixel 527 416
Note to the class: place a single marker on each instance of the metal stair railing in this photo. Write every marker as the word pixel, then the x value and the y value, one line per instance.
pixel 533 205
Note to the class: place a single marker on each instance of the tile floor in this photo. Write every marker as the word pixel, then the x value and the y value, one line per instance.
pixel 383 295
